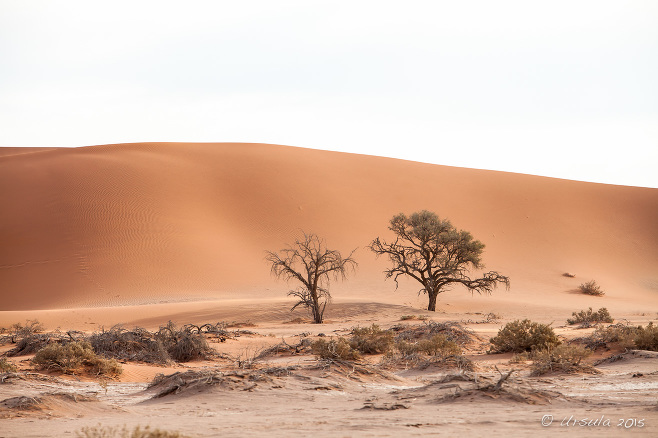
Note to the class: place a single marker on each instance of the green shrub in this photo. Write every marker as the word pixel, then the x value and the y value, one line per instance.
pixel 334 349
pixel 518 336
pixel 75 357
pixel 563 358
pixel 646 338
pixel 591 288
pixel 6 366
pixel 371 340
pixel 114 432
pixel 586 317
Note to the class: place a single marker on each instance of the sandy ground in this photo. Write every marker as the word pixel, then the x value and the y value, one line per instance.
pixel 296 394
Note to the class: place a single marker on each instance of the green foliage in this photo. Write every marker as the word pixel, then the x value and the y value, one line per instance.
pixel 647 337
pixel 72 357
pixel 371 340
pixel 563 358
pixel 586 317
pixel 518 336
pixel 114 432
pixel 431 251
pixel 6 366
pixel 591 288
pixel 334 349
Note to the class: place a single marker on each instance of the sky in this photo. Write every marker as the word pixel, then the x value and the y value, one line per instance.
pixel 565 89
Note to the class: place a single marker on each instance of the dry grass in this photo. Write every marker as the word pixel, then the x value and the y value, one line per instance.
pixel 371 340
pixel 115 432
pixel 136 345
pixel 588 317
pixel 337 348
pixel 183 345
pixel 561 358
pixel 75 357
pixel 591 288
pixel 623 335
pixel 437 345
pixel 518 336
pixel 6 366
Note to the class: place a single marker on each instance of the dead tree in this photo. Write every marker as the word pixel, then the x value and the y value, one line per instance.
pixel 431 251
pixel 310 263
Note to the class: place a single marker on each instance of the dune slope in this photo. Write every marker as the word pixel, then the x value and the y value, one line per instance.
pixel 143 223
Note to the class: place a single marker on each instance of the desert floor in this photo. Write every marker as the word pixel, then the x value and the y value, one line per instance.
pixel 295 394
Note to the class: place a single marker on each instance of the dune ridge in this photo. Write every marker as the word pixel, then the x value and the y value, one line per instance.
pixel 143 223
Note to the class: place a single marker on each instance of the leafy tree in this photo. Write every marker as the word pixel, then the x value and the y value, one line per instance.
pixel 431 251
pixel 309 262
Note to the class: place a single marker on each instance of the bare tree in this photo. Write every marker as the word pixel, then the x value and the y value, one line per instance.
pixel 431 251
pixel 309 262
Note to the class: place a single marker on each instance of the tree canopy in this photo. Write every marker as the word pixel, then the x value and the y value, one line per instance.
pixel 433 252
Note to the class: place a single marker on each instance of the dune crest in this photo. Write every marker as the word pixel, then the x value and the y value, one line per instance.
pixel 145 223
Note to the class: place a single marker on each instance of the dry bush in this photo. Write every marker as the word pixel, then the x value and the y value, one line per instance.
pixel 646 338
pixel 135 345
pixel 453 331
pixel 437 345
pixel 587 317
pixel 621 334
pixel 182 344
pixel 371 340
pixel 518 336
pixel 334 349
pixel 28 338
pixel 72 357
pixel 407 317
pixel 520 357
pixel 564 358
pixel 114 432
pixel 591 288
pixel 6 366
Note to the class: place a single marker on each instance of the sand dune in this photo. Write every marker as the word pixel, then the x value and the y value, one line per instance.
pixel 144 223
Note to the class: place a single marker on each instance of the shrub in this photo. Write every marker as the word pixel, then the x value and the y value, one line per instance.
pixel 565 358
pixel 114 432
pixel 138 345
pixel 591 288
pixel 371 340
pixel 334 349
pixel 73 357
pixel 182 344
pixel 622 334
pixel 437 345
pixel 586 317
pixel 6 366
pixel 518 336
pixel 28 338
pixel 646 338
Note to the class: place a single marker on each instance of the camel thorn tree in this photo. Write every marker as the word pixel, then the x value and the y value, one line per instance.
pixel 431 251
pixel 310 263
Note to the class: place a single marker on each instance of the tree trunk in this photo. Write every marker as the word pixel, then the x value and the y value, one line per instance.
pixel 317 313
pixel 432 305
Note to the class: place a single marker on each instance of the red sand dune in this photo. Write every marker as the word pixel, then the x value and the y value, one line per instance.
pixel 143 223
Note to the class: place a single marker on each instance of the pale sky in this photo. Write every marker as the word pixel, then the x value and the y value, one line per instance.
pixel 567 89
